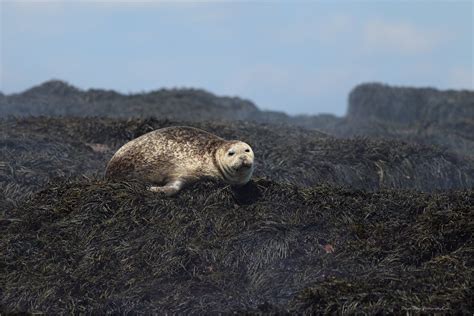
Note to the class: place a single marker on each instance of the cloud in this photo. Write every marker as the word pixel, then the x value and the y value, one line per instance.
pixel 373 36
pixel 398 37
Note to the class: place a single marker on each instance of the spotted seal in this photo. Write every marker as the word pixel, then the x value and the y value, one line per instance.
pixel 172 157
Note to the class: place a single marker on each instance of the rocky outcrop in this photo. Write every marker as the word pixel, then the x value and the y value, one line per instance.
pixel 409 105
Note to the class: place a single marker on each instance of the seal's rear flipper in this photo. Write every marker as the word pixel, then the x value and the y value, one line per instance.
pixel 171 188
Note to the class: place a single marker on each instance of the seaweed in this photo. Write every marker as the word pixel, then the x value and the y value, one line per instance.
pixel 285 154
pixel 92 246
pixel 326 226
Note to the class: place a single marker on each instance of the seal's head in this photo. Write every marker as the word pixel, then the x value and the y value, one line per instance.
pixel 235 161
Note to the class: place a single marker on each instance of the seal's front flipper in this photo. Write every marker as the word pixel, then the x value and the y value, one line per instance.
pixel 171 188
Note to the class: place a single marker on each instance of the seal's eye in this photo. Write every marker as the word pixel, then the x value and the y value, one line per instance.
pixel 247 150
pixel 231 153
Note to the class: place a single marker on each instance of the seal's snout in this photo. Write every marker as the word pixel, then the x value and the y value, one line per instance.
pixel 245 162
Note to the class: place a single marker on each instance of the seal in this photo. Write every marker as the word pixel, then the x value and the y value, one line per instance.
pixel 172 157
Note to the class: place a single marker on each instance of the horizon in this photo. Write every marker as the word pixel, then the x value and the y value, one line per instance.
pixel 300 58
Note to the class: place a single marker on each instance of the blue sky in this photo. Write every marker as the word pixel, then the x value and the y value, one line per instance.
pixel 297 57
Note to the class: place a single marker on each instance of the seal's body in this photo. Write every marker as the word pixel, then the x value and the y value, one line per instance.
pixel 172 157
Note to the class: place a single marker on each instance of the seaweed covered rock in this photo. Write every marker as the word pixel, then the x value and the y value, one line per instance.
pixel 72 242
pixel 91 246
pixel 409 105
pixel 34 150
pixel 28 161
pixel 455 136
pixel 58 98
pixel 417 115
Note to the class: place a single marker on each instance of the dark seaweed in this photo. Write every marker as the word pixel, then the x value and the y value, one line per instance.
pixel 327 225
pixel 95 246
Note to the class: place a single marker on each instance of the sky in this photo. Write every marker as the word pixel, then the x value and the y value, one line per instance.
pixel 300 57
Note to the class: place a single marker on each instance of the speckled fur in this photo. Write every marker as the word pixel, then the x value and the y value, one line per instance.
pixel 167 155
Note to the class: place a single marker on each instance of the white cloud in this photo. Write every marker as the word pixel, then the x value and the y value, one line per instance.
pixel 398 37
